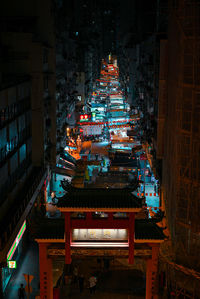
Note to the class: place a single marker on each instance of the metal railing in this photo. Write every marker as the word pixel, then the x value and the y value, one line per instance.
pixel 9 113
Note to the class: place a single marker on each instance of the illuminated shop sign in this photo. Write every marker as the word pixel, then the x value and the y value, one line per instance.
pixel 12 264
pixel 84 117
pixel 16 242
pixel 99 234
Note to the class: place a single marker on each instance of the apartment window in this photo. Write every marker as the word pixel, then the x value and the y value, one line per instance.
pixel 12 111
pixel 3 115
pixel 45 56
pixel 46 83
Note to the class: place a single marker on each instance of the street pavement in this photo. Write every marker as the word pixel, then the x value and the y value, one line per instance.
pixel 28 264
pixel 120 281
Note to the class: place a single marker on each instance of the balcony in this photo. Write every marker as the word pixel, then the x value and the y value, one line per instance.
pixel 14 177
pixel 9 113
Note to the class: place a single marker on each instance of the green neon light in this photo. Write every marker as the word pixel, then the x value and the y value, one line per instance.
pixel 21 231
pixel 12 250
pixel 16 242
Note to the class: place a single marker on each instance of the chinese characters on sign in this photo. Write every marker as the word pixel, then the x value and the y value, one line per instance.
pixel 99 234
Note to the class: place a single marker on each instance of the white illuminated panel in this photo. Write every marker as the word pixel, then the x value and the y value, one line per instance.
pixel 99 234
pixel 99 244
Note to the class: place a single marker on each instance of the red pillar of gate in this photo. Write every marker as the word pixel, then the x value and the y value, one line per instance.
pixel 131 232
pixel 46 278
pixel 88 215
pixel 110 216
pixel 67 238
pixel 151 274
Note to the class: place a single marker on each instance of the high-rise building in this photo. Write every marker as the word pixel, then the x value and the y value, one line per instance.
pixel 28 119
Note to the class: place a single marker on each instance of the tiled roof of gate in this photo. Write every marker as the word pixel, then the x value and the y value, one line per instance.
pixel 145 229
pixel 124 162
pixel 99 198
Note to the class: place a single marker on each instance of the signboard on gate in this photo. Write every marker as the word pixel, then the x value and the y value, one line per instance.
pixel 99 234
pixel 97 252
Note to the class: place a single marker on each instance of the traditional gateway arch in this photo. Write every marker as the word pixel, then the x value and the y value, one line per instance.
pixel 83 232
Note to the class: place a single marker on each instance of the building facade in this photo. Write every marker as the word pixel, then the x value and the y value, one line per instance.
pixel 179 144
pixel 28 121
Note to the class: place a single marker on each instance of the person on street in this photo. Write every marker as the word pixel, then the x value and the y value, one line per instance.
pixel 106 264
pixel 81 283
pixel 75 274
pixel 21 292
pixel 92 284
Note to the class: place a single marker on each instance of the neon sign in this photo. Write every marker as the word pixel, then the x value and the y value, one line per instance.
pixel 84 117
pixel 16 242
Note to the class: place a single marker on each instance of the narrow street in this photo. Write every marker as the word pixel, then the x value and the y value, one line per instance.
pixel 108 142
pixel 100 149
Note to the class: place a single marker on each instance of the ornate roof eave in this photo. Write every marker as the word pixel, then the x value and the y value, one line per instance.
pixel 101 209
pixel 54 240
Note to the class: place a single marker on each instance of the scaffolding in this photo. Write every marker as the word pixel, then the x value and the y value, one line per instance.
pixel 188 126
pixel 181 144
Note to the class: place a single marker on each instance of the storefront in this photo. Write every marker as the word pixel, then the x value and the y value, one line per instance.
pixel 13 256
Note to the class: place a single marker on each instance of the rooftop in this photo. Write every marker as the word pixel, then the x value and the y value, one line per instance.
pixel 95 198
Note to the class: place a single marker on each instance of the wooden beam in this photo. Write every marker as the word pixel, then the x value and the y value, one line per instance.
pixel 100 223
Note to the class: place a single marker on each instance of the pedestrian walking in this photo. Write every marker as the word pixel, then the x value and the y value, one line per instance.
pixel 21 292
pixel 75 274
pixel 106 264
pixel 81 282
pixel 96 155
pixel 92 284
